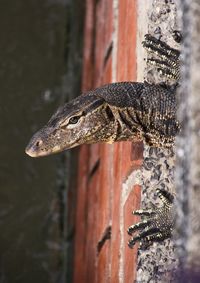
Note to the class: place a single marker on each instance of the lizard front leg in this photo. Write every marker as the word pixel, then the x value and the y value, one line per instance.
pixel 157 223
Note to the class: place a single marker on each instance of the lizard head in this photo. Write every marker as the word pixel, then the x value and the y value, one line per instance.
pixel 85 119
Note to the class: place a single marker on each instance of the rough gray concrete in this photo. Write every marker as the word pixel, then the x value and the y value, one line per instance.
pixel 159 262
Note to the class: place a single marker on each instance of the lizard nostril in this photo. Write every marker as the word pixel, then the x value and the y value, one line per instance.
pixel 38 143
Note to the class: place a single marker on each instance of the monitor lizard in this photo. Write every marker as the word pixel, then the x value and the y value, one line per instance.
pixel 119 112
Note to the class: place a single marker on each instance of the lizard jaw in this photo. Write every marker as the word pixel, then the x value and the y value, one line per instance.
pixel 34 152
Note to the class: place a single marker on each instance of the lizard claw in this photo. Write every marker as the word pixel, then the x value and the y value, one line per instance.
pixel 156 224
pixel 168 64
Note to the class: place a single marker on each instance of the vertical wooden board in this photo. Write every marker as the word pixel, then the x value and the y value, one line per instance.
pixel 103 39
pixel 126 56
pixel 97 203
pixel 81 231
pixel 91 232
pixel 121 167
pixel 107 77
pixel 108 27
pixel 88 56
pixel 104 209
pixel 126 159
pixel 94 158
pixel 105 172
pixel 122 270
pixel 99 43
pixel 102 274
pixel 115 217
pixel 108 46
pixel 104 214
pixel 130 255
pixel 131 12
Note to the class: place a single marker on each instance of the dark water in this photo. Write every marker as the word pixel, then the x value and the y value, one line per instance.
pixel 32 66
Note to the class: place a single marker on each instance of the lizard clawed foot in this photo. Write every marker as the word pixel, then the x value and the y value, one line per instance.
pixel 168 64
pixel 156 225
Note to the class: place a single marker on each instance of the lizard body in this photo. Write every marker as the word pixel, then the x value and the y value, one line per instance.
pixel 119 112
pixel 114 112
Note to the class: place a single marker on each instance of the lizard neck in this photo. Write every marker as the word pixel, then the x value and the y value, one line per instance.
pixel 126 125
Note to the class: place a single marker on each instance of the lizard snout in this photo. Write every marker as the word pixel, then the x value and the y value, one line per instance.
pixel 33 147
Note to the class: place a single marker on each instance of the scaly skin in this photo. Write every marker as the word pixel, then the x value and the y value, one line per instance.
pixel 119 112
pixel 114 112
pixel 157 223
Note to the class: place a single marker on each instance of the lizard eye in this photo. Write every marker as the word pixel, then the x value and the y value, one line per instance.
pixel 74 120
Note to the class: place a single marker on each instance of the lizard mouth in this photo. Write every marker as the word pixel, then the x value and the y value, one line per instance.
pixel 34 150
pixel 32 153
